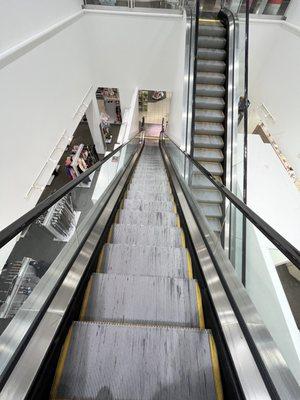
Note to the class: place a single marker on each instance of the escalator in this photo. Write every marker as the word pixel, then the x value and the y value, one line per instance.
pixel 144 301
pixel 141 333
pixel 209 117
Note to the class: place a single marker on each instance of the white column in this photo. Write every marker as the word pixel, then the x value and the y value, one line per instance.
pixel 93 119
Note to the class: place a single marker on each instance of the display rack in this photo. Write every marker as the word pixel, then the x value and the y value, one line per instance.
pixel 61 219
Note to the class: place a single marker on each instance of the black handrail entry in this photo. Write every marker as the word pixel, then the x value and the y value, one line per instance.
pixel 21 223
pixel 279 241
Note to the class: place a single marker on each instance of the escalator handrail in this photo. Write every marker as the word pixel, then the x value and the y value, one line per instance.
pixel 279 241
pixel 21 223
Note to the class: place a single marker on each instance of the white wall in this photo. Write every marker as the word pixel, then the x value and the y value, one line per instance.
pixel 265 290
pixel 144 51
pixel 40 95
pixel 20 19
pixel 47 85
pixel 271 192
pixel 274 81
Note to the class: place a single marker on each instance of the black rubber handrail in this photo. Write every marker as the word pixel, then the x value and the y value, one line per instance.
pixel 21 223
pixel 279 241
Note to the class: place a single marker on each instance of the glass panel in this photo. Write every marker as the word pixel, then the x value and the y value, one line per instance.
pixel 33 262
pixel 166 4
pixel 271 280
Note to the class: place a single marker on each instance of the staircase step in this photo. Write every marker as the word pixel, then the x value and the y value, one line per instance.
pixel 136 299
pixel 115 361
pixel 211 54
pixel 211 30
pixel 147 206
pixel 211 78
pixel 137 235
pixel 145 260
pixel 207 196
pixel 210 155
pixel 149 196
pixel 208 141
pixel 209 128
pixel 157 218
pixel 203 115
pixel 211 42
pixel 207 90
pixel 210 66
pixel 211 103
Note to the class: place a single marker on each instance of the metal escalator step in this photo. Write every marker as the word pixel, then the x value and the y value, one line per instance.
pixel 210 66
pixel 145 260
pixel 132 194
pixel 215 224
pixel 156 300
pixel 213 155
pixel 209 102
pixel 211 54
pixel 209 128
pixel 211 42
pixel 202 115
pixel 147 206
pixel 207 90
pixel 211 78
pixel 199 181
pixel 214 168
pixel 156 218
pixel 211 30
pixel 207 195
pixel 208 141
pixel 134 235
pixel 211 210
pixel 113 361
pixel 161 187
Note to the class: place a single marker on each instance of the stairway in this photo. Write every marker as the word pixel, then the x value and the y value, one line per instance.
pixel 141 331
pixel 209 117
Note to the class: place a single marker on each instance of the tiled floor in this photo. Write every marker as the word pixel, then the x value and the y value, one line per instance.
pixel 157 111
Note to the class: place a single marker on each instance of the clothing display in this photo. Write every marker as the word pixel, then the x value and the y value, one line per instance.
pixel 60 219
pixel 20 288
pixel 82 157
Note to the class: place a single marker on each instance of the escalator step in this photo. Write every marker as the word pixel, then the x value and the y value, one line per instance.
pixel 160 187
pixel 155 235
pixel 148 196
pixel 211 42
pixel 145 260
pixel 211 30
pixel 114 361
pixel 155 300
pixel 147 206
pixel 157 218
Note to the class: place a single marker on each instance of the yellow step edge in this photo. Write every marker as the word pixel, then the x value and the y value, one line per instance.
pixel 100 261
pixel 216 368
pixel 189 265
pixel 182 239
pixel 211 21
pixel 200 307
pixel 177 221
pixel 110 235
pixel 60 365
pixel 85 300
